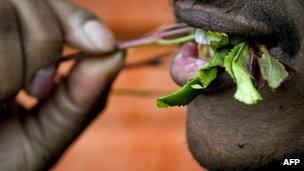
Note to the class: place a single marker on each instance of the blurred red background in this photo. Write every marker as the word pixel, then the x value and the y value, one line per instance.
pixel 132 134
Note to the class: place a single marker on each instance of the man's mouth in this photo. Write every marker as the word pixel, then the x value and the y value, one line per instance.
pixel 188 60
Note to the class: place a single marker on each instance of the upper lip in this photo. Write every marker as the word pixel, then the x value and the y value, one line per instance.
pixel 211 18
pixel 281 45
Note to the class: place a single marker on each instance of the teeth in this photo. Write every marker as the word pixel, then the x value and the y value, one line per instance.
pixel 211 51
pixel 201 36
pixel 204 50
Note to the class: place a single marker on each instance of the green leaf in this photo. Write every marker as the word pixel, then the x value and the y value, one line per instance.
pixel 208 73
pixel 206 76
pixel 272 70
pixel 235 65
pixel 217 59
pixel 234 53
pixel 217 39
pixel 246 91
pixel 181 97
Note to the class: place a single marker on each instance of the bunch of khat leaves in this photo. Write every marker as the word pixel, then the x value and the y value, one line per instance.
pixel 234 59
pixel 232 55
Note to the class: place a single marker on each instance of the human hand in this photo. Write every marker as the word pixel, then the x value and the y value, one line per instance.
pixel 32 34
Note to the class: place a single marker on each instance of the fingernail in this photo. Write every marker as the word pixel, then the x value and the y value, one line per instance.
pixel 42 82
pixel 99 35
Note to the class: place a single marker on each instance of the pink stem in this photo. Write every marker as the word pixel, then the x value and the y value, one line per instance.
pixel 169 31
pixel 136 42
pixel 177 32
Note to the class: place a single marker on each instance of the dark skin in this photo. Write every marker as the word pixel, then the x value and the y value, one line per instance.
pixel 32 35
pixel 224 134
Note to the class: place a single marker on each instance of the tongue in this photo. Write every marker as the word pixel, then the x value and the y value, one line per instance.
pixel 186 63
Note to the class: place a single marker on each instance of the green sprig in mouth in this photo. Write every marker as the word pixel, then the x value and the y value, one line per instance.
pixel 234 57
pixel 232 54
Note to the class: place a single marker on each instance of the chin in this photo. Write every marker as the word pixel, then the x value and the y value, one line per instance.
pixel 224 134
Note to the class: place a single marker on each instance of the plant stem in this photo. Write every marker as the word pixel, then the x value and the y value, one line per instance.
pixel 137 42
pixel 175 41
pixel 164 37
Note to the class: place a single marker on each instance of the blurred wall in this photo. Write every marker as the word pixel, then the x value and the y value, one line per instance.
pixel 129 18
pixel 132 134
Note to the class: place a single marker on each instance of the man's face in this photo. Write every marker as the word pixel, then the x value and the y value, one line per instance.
pixel 223 133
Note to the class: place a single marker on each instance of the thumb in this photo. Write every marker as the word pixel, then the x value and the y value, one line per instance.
pixel 82 29
pixel 73 105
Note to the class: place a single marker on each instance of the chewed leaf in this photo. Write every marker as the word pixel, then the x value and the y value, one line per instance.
pixel 272 70
pixel 235 64
pixel 207 76
pixel 235 52
pixel 217 39
pixel 217 59
pixel 246 91
pixel 181 97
